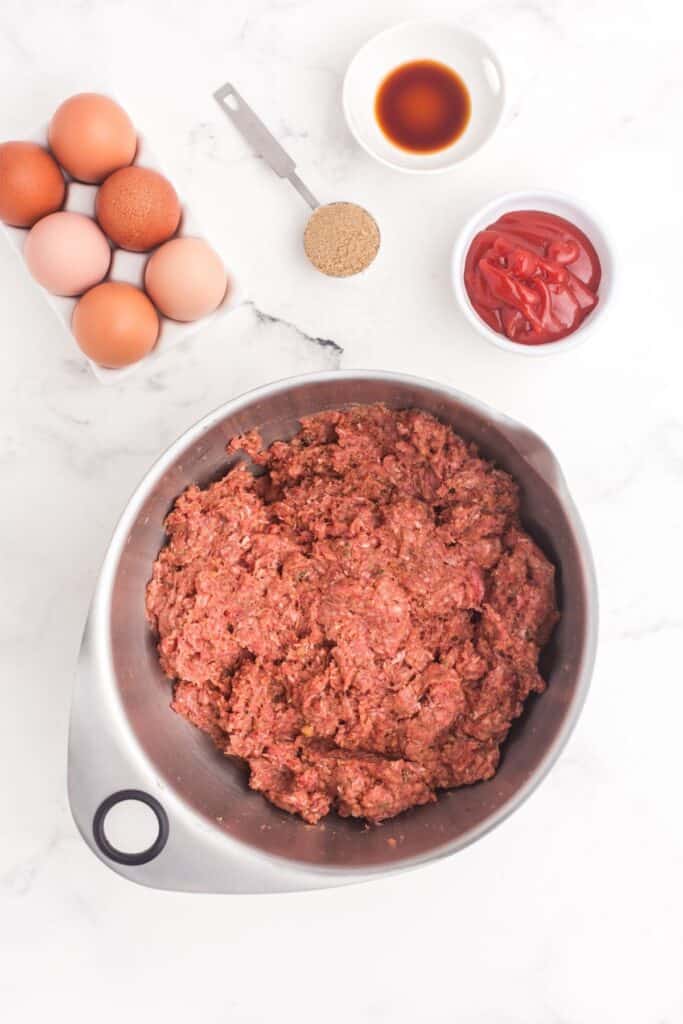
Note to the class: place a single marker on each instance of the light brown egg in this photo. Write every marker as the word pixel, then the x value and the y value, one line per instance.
pixel 91 136
pixel 31 184
pixel 138 208
pixel 185 279
pixel 115 324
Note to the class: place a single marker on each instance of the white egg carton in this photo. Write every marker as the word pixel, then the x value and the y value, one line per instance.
pixel 128 267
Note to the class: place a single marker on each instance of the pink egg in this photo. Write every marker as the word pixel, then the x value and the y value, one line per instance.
pixel 185 279
pixel 67 253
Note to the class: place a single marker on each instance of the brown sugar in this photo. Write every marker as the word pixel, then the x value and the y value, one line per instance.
pixel 341 239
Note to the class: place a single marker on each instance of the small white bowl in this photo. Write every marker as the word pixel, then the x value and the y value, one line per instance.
pixel 549 202
pixel 465 53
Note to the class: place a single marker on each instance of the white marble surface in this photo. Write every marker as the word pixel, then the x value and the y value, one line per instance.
pixel 571 911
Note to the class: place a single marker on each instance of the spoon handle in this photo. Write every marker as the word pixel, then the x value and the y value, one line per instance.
pixel 263 142
pixel 303 191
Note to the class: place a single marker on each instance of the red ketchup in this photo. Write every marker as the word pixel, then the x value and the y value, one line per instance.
pixel 532 276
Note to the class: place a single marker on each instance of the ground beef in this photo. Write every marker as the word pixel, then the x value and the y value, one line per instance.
pixel 361 623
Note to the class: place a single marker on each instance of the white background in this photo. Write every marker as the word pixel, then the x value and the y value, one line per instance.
pixel 570 913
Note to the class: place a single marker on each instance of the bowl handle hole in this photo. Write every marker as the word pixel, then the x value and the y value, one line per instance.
pixel 130 827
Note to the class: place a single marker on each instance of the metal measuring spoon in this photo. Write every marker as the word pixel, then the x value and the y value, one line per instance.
pixel 340 238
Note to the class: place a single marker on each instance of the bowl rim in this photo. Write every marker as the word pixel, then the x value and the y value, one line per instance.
pixel 518 200
pixel 97 677
pixel 451 26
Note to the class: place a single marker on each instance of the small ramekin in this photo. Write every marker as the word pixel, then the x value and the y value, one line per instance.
pixel 424 39
pixel 550 202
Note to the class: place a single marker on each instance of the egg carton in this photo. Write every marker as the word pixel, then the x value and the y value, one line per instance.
pixel 128 267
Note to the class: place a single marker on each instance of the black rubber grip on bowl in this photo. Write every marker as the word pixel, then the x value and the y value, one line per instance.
pixel 144 856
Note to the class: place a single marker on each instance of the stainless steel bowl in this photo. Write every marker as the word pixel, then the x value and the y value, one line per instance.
pixel 215 835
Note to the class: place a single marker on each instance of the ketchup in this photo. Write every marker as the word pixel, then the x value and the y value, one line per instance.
pixel 532 276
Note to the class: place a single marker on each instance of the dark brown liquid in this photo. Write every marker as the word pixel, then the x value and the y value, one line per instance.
pixel 423 106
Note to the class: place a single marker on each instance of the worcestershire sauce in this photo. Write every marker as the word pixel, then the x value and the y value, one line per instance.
pixel 423 106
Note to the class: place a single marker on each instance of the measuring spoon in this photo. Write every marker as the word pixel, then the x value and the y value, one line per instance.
pixel 342 238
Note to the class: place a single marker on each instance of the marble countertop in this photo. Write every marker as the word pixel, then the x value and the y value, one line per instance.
pixel 571 912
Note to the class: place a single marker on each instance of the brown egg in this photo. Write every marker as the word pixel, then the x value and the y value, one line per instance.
pixel 31 184
pixel 115 324
pixel 138 208
pixel 92 136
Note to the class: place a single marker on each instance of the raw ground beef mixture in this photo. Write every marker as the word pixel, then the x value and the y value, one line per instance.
pixel 362 623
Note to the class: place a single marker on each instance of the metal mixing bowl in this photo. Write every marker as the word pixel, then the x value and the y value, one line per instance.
pixel 216 835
